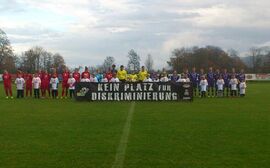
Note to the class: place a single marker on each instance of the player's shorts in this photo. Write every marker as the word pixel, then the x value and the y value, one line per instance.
pixel 65 85
pixel 45 85
pixel 29 86
pixel 7 86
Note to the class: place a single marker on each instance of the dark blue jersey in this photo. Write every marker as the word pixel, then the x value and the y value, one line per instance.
pixel 226 78
pixel 175 78
pixel 194 77
pixel 241 77
pixel 211 77
pixel 217 75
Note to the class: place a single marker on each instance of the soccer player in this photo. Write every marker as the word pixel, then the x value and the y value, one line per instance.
pixel 29 85
pixel 45 83
pixel 220 83
pixel 194 77
pixel 20 82
pixel 233 84
pixel 114 70
pixel 99 76
pixel 54 85
pixel 226 78
pixel 114 78
pixel 109 75
pixel 85 78
pixel 36 81
pixel 164 78
pixel 7 84
pixel 77 75
pixel 93 78
pixel 200 75
pixel 71 82
pixel 242 87
pixel 241 77
pixel 142 74
pixel 122 74
pixel 203 85
pixel 211 82
pixel 216 76
pixel 65 86
pixel 86 73
pixel 175 77
pixel 104 79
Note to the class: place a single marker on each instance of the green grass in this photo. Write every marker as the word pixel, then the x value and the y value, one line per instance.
pixel 210 133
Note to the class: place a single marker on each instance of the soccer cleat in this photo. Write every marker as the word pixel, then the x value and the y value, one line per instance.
pixel 11 97
pixel 7 97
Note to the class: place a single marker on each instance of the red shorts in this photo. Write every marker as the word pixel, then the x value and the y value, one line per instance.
pixel 7 86
pixel 45 85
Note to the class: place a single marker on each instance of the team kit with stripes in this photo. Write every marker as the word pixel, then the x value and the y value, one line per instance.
pixel 205 84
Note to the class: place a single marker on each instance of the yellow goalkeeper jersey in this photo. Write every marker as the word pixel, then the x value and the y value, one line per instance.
pixel 122 75
pixel 143 75
pixel 133 77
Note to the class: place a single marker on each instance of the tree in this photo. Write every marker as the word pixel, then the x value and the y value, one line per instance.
pixel 205 57
pixel 108 62
pixel 7 58
pixel 134 61
pixel 149 62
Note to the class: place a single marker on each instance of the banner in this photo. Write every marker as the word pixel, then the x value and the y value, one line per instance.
pixel 260 77
pixel 150 91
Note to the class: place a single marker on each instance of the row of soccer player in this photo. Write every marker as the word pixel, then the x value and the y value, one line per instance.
pixel 47 81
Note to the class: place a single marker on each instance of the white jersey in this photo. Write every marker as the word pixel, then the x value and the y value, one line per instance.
pixel 243 87
pixel 71 82
pixel 93 79
pixel 19 83
pixel 85 80
pixel 114 80
pixel 164 79
pixel 220 83
pixel 148 80
pixel 36 82
pixel 104 80
pixel 182 80
pixel 203 85
pixel 233 83
pixel 54 83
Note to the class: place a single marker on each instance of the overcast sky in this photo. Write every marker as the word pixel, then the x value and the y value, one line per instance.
pixel 86 31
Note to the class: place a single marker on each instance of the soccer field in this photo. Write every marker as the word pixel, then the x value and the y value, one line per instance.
pixel 208 133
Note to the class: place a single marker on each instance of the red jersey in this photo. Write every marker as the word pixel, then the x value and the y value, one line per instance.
pixel 65 76
pixel 7 79
pixel 77 76
pixel 28 79
pixel 45 78
pixel 109 76
pixel 87 74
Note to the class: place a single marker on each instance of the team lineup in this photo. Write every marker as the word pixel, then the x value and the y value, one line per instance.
pixel 205 84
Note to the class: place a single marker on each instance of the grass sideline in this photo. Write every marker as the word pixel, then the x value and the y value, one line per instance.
pixel 211 132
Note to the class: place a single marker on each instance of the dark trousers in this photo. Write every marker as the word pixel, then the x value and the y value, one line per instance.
pixel 20 93
pixel 203 93
pixel 36 93
pixel 71 93
pixel 233 92
pixel 54 93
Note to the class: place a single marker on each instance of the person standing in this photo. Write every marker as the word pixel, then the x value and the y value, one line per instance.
pixel 65 86
pixel 29 85
pixel 54 85
pixel 20 82
pixel 211 82
pixel 7 84
pixel 36 85
pixel 142 74
pixel 71 82
pixel 122 74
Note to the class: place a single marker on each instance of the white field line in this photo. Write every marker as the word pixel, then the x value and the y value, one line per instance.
pixel 121 150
